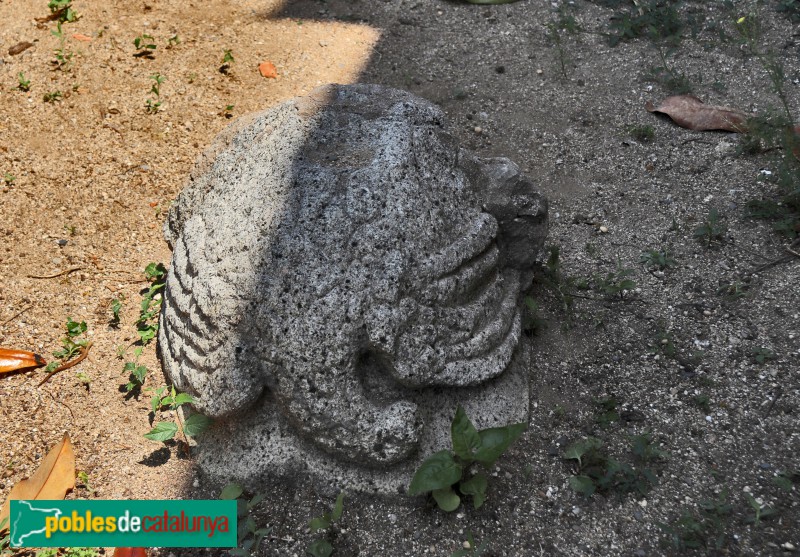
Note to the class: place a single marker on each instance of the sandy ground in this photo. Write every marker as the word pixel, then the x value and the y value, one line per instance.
pixel 94 173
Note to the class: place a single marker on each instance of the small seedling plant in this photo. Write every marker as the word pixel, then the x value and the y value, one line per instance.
pixel 470 549
pixel 616 284
pixel 447 473
pixel 146 324
pixel 145 46
pixel 760 511
pixel 250 535
pixel 63 10
pixel 712 230
pixel 703 530
pixel 597 471
pixel 63 56
pixel 71 344
pixel 116 307
pixel 23 84
pixel 52 96
pixel 762 355
pixel 227 62
pixel 167 398
pixel 153 105
pixel 658 259
pixel 321 547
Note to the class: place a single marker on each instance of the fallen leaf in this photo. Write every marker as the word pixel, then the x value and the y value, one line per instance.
pixel 689 112
pixel 130 552
pixel 15 360
pixel 267 69
pixel 81 37
pixel 19 48
pixel 54 478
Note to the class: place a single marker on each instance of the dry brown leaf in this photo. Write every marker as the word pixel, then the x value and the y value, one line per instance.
pixel 54 478
pixel 19 48
pixel 15 360
pixel 130 552
pixel 81 37
pixel 268 69
pixel 690 112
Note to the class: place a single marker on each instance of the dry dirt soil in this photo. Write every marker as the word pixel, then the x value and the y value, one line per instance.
pixel 703 354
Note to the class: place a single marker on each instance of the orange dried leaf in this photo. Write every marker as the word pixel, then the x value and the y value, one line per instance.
pixel 130 552
pixel 54 478
pixel 15 360
pixel 268 69
pixel 690 112
pixel 81 37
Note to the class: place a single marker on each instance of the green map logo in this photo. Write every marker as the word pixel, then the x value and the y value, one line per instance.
pixel 119 523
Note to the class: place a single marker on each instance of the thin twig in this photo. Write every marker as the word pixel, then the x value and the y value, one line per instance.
pixel 61 403
pixel 65 272
pixel 790 250
pixel 84 352
pixel 17 314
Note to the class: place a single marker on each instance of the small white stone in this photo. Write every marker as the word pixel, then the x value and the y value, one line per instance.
pixel 478 129
pixel 643 503
pixel 539 71
pixel 709 419
pixel 706 312
pixel 788 546
pixel 467 545
pixel 603 229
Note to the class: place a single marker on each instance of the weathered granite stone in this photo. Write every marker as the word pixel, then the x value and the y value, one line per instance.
pixel 343 275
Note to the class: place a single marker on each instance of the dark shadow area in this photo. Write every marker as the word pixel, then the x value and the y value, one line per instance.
pixel 157 457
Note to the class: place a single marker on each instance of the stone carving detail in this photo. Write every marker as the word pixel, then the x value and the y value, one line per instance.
pixel 336 255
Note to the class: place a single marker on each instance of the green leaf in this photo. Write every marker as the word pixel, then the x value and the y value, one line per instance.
pixel 338 508
pixel 581 447
pixel 783 482
pixel 475 486
pixel 250 525
pixel 162 432
pixel 465 437
pixel 582 484
pixel 155 403
pixel 320 548
pixel 256 500
pixel 496 440
pixel 231 491
pixel 320 523
pixel 196 424
pixel 154 271
pixel 447 499
pixel 438 471
pixel 182 398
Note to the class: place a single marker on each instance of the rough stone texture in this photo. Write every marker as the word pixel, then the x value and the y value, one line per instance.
pixel 343 275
